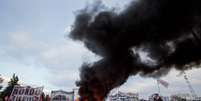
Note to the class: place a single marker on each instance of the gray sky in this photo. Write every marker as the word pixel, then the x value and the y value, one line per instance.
pixel 34 45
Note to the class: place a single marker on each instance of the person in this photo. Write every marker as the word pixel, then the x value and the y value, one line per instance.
pixel 157 97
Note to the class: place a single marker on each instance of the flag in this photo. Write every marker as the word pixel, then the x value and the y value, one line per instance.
pixel 76 99
pixel 162 82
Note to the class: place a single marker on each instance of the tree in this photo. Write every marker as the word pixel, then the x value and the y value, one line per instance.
pixel 8 90
pixel 1 80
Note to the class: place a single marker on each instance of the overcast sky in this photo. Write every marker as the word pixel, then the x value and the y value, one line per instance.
pixel 35 46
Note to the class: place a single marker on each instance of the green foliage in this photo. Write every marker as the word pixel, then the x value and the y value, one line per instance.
pixel 8 90
pixel 1 80
pixel 13 81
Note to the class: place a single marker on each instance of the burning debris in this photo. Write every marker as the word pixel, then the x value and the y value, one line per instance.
pixel 149 37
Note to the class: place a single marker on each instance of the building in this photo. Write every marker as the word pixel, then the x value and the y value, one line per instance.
pixel 184 97
pixel 121 96
pixel 61 95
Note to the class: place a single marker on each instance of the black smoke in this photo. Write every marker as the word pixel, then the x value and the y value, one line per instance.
pixel 149 37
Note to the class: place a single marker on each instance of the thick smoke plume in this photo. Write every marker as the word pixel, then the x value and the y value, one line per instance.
pixel 149 37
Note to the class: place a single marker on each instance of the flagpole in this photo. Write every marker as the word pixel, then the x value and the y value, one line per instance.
pixel 158 87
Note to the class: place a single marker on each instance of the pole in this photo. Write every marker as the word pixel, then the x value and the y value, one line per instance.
pixel 158 87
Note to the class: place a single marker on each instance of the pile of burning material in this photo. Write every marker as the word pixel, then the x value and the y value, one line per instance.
pixel 149 37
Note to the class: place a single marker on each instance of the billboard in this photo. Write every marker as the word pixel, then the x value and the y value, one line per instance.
pixel 26 93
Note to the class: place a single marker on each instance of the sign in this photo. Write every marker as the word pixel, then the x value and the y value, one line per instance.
pixel 121 96
pixel 26 93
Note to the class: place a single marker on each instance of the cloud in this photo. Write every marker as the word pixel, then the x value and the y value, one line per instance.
pixel 21 39
pixel 177 84
pixel 67 29
pixel 59 60
pixel 64 60
pixel 116 3
pixel 21 46
pixel 5 80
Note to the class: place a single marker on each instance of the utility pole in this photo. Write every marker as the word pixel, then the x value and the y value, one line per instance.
pixel 193 94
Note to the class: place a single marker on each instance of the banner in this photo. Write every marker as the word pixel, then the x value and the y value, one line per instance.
pixel 26 93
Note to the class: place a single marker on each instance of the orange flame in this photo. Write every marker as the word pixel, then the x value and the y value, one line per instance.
pixel 96 95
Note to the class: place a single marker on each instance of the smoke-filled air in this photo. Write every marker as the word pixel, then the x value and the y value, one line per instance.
pixel 147 37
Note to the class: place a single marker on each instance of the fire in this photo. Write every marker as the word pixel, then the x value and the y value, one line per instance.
pixel 84 99
pixel 91 95
pixel 96 95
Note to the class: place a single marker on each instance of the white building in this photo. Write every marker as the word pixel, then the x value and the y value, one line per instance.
pixel 61 95
pixel 121 96
pixel 184 96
